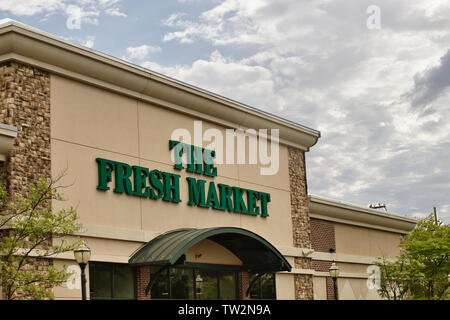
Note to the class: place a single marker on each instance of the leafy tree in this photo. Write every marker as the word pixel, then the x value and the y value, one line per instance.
pixel 423 267
pixel 394 281
pixel 428 249
pixel 28 230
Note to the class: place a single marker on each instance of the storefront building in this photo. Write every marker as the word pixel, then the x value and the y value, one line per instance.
pixel 162 229
pixel 353 237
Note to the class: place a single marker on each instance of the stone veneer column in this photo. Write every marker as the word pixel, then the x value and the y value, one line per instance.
pixel 25 104
pixel 300 221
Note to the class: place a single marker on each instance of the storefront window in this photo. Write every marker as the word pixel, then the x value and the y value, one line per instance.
pixel 264 287
pixel 209 288
pixel 160 288
pixel 181 283
pixel 227 282
pixel 111 281
pixel 190 283
pixel 123 282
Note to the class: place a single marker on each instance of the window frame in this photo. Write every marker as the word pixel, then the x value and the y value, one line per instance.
pixel 258 284
pixel 112 267
pixel 194 267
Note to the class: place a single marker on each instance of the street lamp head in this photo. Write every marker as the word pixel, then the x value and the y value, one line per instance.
pixel 198 283
pixel 82 254
pixel 334 270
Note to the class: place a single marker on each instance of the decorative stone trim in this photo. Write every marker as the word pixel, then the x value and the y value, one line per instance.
pixel 303 287
pixel 300 222
pixel 25 105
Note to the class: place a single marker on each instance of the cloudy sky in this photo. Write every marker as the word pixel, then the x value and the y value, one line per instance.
pixel 372 76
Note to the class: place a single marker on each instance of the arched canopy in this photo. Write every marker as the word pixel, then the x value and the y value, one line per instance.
pixel 256 253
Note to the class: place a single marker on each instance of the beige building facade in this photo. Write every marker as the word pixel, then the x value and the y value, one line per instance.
pixel 353 237
pixel 106 126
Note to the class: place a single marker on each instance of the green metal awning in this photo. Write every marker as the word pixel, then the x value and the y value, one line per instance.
pixel 168 249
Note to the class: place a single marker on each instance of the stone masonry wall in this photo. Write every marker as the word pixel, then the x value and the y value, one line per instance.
pixel 300 221
pixel 25 104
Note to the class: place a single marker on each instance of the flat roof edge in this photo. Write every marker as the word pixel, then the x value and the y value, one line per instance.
pixel 349 212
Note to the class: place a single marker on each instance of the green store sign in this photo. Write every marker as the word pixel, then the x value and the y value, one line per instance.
pixel 156 184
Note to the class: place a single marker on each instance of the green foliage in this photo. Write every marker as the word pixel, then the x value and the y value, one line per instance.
pixel 394 279
pixel 422 269
pixel 31 233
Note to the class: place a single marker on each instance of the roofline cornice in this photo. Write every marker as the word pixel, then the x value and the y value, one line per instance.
pixel 340 212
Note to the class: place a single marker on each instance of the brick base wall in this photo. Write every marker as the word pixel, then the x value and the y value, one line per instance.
pixel 323 239
pixel 330 289
pixel 142 280
pixel 322 235
pixel 243 284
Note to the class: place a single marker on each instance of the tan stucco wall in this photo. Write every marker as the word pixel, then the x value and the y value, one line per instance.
pixel 357 248
pixel 87 122
pixel 71 289
pixel 320 288
pixel 352 267
pixel 355 289
pixel 207 251
pixel 284 287
pixel 361 246
pixel 366 242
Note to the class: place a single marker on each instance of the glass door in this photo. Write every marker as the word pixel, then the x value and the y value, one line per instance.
pixel 195 284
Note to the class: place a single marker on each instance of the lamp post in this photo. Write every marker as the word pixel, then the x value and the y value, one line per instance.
pixel 198 284
pixel 82 255
pixel 334 274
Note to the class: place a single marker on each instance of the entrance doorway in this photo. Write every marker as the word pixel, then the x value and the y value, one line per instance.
pixel 194 284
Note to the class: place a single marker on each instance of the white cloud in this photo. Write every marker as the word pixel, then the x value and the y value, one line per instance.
pixel 443 213
pixel 316 63
pixel 30 8
pixel 141 52
pixel 431 83
pixel 89 42
pixel 115 12
pixel 85 11
pixel 78 15
pixel 226 77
